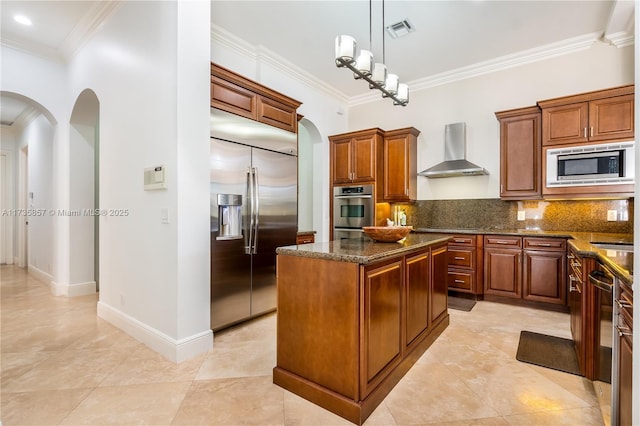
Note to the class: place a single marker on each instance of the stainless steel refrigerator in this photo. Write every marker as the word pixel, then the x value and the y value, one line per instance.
pixel 254 202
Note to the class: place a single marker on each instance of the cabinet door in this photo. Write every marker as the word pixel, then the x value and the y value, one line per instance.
pixel 565 124
pixel 381 322
pixel 520 156
pixel 417 277
pixel 625 365
pixel 543 276
pixel 400 165
pixel 574 300
pixel 364 158
pixel 611 118
pixel 502 272
pixel 341 160
pixel 276 114
pixel 439 285
pixel 233 98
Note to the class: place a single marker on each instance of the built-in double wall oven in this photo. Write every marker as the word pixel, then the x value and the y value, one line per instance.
pixel 353 208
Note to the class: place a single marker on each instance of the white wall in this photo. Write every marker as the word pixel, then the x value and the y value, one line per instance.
pixel 149 67
pixel 475 101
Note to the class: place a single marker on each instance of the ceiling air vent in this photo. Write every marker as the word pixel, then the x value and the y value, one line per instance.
pixel 400 29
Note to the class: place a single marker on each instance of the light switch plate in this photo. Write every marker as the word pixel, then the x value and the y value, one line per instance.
pixel 612 215
pixel 521 214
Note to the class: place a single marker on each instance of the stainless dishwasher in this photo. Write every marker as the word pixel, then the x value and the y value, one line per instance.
pixel 606 369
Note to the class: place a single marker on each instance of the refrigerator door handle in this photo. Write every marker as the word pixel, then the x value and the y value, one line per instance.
pixel 256 203
pixel 248 236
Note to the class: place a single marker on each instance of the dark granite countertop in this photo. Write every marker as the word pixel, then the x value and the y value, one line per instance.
pixel 619 261
pixel 361 251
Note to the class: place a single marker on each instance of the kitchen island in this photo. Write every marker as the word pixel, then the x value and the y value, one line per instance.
pixel 354 316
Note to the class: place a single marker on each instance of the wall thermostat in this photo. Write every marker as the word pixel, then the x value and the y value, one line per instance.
pixel 155 178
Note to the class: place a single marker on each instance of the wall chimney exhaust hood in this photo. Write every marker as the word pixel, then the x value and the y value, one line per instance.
pixel 455 163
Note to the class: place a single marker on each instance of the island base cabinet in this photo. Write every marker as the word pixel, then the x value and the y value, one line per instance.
pixel 347 333
pixel 382 331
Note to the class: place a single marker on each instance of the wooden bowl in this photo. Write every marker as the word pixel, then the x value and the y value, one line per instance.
pixel 387 234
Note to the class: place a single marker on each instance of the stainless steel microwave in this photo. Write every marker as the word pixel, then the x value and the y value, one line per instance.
pixel 600 164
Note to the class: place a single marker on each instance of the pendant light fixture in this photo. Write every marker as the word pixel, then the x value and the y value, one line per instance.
pixel 364 67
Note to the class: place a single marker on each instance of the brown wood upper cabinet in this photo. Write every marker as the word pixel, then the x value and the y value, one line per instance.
pixel 356 156
pixel 520 153
pixel 234 93
pixel 400 165
pixel 603 115
pixel 386 158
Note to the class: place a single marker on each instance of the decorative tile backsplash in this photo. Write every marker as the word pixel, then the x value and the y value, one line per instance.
pixel 565 215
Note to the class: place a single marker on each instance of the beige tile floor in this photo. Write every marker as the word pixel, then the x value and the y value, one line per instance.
pixel 61 364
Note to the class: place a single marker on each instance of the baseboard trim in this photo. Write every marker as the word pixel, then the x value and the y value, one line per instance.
pixel 73 290
pixel 172 349
pixel 39 274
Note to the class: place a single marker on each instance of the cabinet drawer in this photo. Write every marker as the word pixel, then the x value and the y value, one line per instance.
pixel 305 239
pixel 463 240
pixel 553 244
pixel 502 241
pixel 460 280
pixel 462 258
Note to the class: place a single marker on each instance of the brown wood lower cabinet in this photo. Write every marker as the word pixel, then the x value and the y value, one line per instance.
pixel 347 333
pixel 465 256
pixel 535 273
pixel 503 266
pixel 544 270
pixel 382 326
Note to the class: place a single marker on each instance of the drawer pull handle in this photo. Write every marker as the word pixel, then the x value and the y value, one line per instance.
pixel 540 244
pixel 576 264
pixel 624 331
pixel 623 304
pixel 458 258
pixel 461 241
pixel 459 281
pixel 503 242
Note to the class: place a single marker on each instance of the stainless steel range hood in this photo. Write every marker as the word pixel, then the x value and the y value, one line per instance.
pixel 455 163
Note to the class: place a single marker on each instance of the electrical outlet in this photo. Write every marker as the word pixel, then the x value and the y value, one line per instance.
pixel 521 214
pixel 612 215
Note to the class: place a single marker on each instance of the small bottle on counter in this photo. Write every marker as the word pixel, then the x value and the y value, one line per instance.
pixel 402 218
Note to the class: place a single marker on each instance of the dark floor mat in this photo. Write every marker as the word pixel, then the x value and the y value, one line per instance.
pixel 548 351
pixel 460 304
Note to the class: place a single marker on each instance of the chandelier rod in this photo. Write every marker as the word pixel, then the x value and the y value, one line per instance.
pixel 370 33
pixel 383 58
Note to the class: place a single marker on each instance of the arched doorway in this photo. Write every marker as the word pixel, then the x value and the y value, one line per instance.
pixel 28 135
pixel 84 195
pixel 310 179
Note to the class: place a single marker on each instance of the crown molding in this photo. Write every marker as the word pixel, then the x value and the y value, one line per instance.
pixel 262 55
pixel 81 33
pixel 524 57
pixel 619 39
pixel 87 27
pixel 541 53
pixel 35 49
